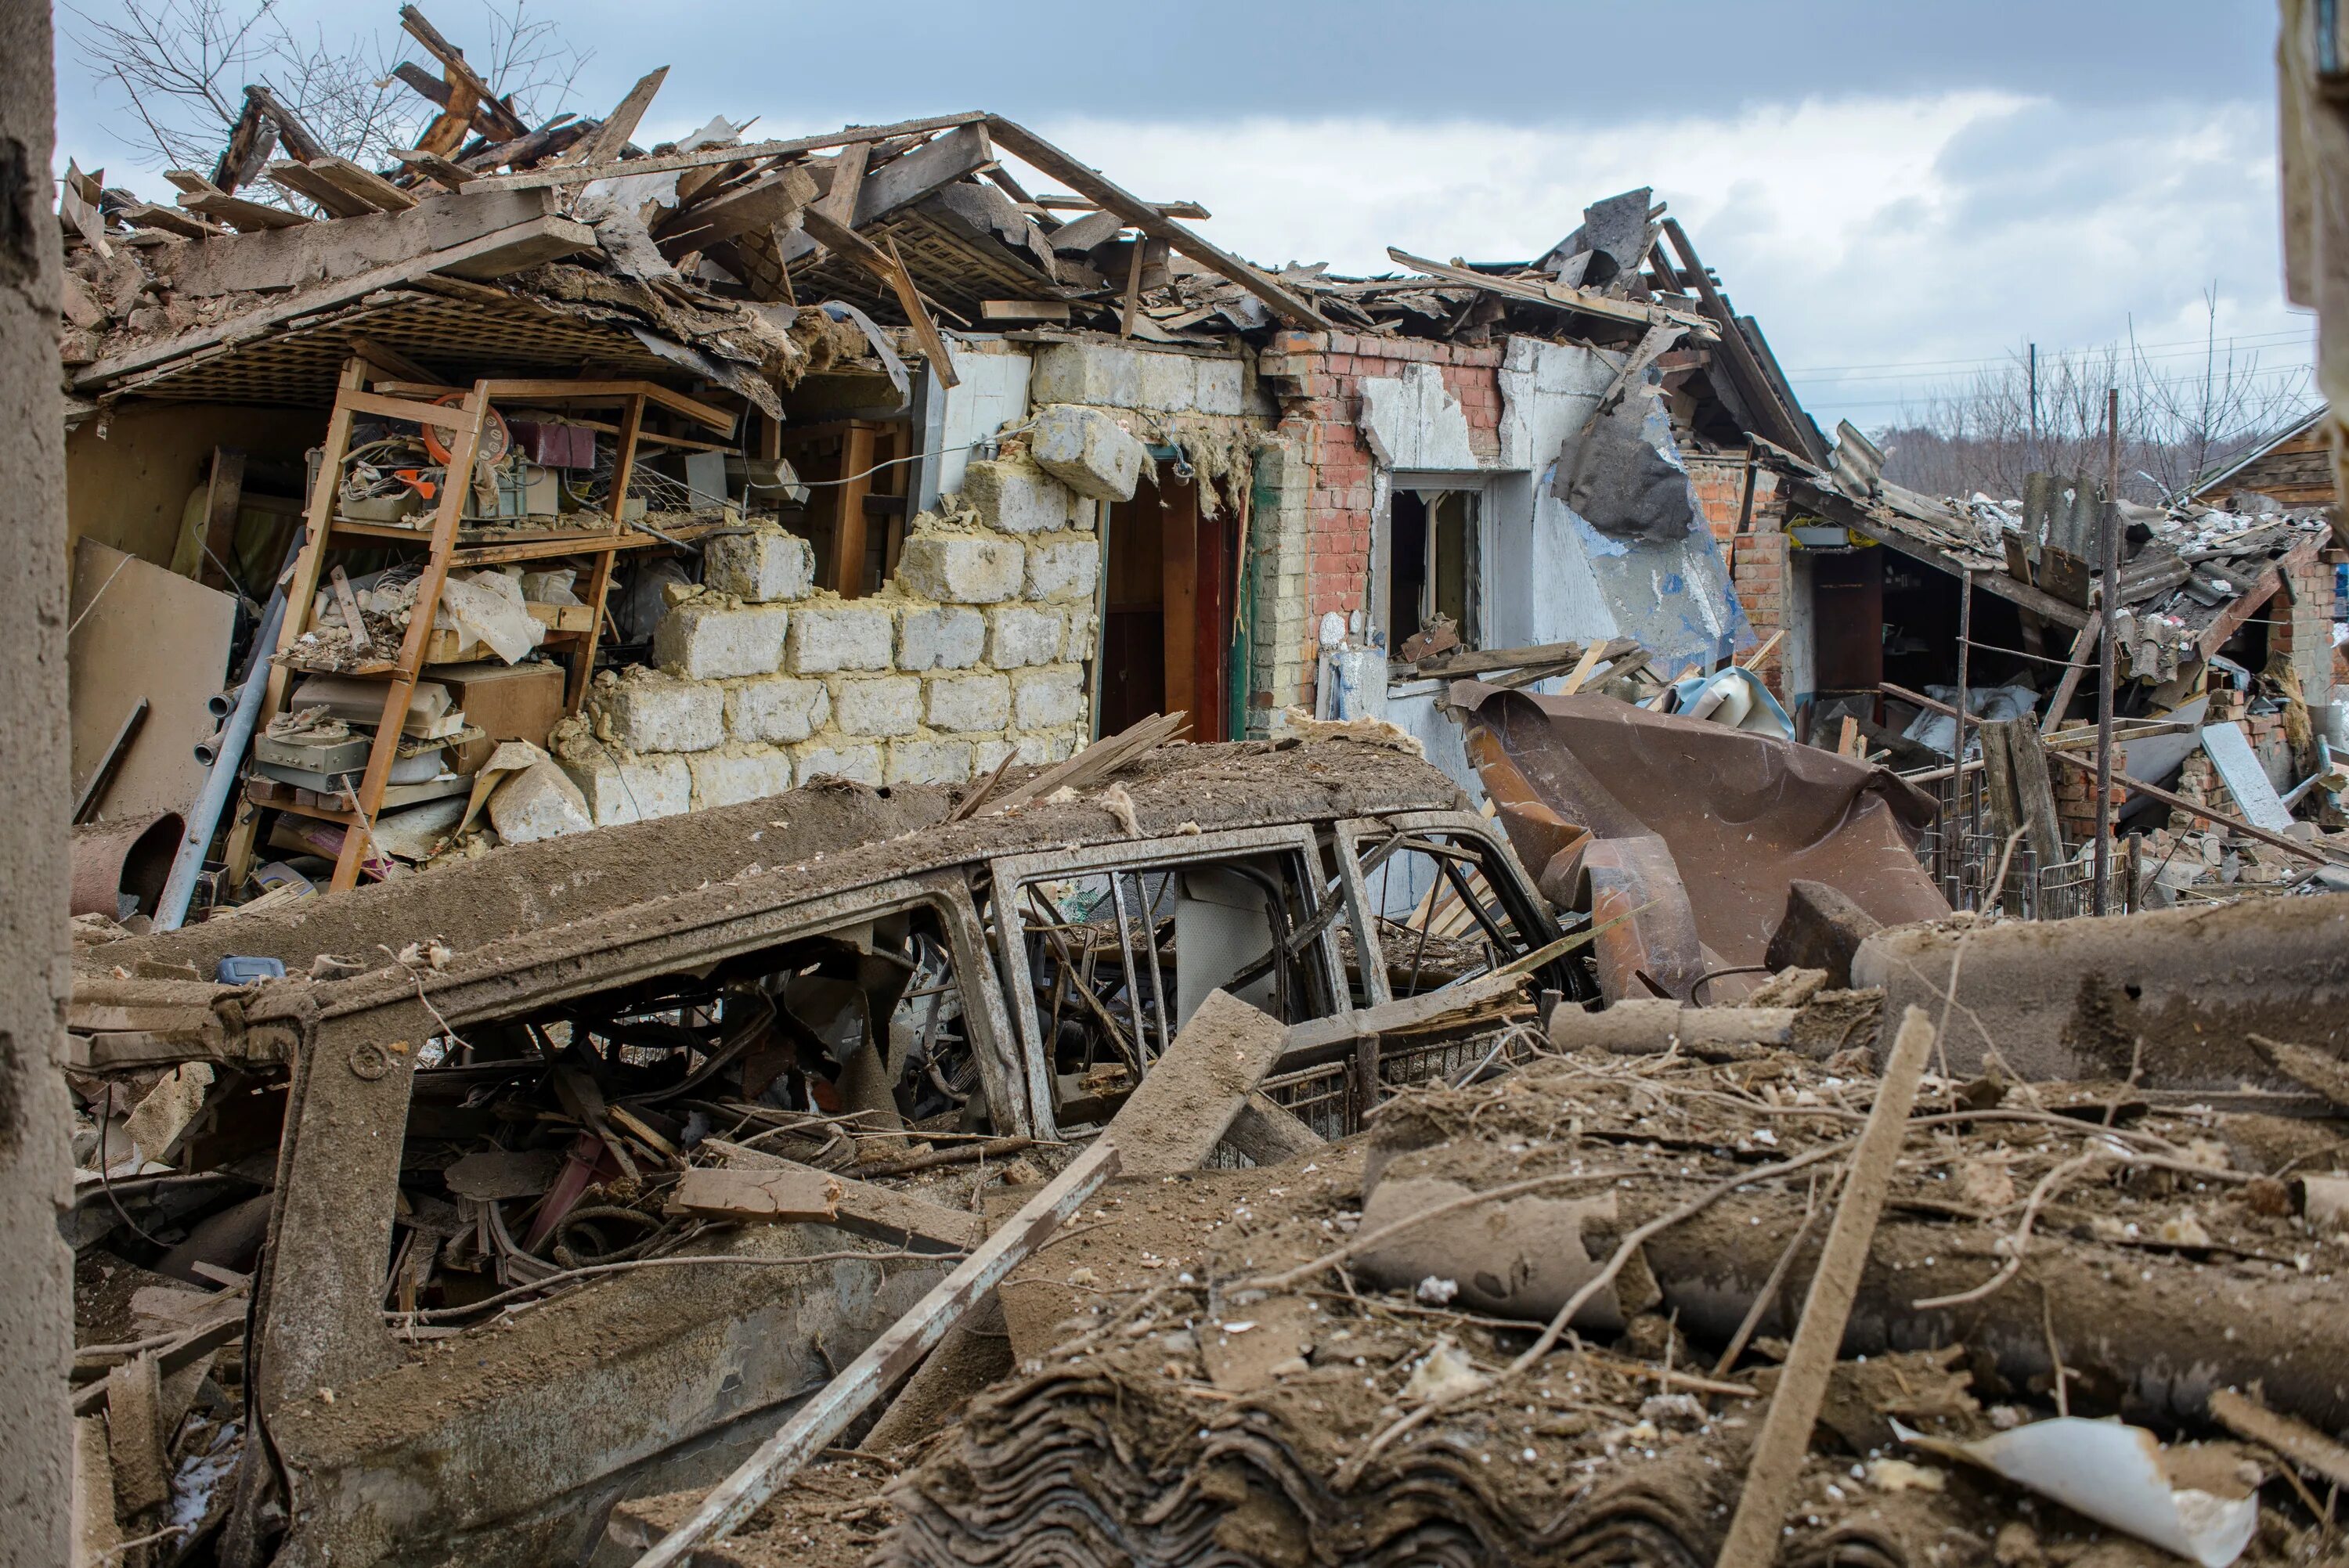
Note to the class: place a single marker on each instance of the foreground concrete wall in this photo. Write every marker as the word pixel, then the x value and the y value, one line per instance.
pixel 37 1308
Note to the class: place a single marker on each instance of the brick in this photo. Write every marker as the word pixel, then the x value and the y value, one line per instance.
pixel 876 704
pixel 707 642
pixel 1043 698
pixel 1014 495
pixel 737 774
pixel 967 702
pixel 1067 569
pixel 631 789
pixel 928 761
pixel 946 638
pixel 652 712
pixel 840 636
pixel 539 802
pixel 779 708
pixel 1087 451
pixel 835 760
pixel 759 567
pixel 1019 635
pixel 962 568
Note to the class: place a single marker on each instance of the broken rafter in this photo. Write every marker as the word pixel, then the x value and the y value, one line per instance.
pixel 1144 216
pixel 460 75
pixel 702 157
pixel 1054 203
pixel 1590 301
pixel 611 137
pixel 886 266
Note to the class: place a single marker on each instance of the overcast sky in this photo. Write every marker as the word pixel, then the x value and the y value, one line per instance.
pixel 1899 192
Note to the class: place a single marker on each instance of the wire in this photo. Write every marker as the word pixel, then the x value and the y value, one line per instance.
pixel 2192 343
pixel 911 457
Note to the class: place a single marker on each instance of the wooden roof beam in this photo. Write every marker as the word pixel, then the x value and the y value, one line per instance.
pixel 1143 215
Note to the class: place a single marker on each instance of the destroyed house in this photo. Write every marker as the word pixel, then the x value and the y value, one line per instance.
pixel 844 456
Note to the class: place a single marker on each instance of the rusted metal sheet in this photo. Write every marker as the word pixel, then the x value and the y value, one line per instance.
pixel 1694 831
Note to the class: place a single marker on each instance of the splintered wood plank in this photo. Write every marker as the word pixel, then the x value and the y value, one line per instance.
pixel 868 1208
pixel 331 198
pixel 619 125
pixel 437 168
pixel 829 1411
pixel 1190 1096
pixel 1775 1471
pixel 767 1197
pixel 362 184
pixel 460 74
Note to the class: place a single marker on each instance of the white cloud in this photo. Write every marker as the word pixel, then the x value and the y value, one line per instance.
pixel 1858 230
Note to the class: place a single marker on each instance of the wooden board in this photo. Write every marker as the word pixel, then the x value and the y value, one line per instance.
pixel 764 1197
pixel 141 632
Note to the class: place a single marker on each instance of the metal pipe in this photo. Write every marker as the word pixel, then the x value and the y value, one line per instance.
pixel 1966 824
pixel 1148 921
pixel 220 780
pixel 2108 669
pixel 1132 982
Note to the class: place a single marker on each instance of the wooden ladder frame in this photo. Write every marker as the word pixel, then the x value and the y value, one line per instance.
pixel 464 421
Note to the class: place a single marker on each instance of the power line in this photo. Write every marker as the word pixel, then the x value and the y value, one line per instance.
pixel 2195 353
pixel 1925 399
pixel 2197 344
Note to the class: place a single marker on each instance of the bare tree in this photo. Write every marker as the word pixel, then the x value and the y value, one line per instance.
pixel 2175 425
pixel 181 66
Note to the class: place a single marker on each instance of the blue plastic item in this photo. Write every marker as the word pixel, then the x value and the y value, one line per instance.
pixel 247 971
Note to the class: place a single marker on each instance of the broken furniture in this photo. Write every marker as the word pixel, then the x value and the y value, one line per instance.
pixel 463 417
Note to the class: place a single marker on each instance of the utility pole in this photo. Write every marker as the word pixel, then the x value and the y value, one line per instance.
pixel 2109 668
pixel 2034 462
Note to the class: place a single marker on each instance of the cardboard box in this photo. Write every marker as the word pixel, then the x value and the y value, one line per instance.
pixel 510 702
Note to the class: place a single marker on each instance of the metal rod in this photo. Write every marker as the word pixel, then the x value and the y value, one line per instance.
pixel 220 779
pixel 1967 799
pixel 1132 982
pixel 1149 923
pixel 2109 518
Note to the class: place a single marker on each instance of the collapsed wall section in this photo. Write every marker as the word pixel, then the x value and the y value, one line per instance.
pixel 974 652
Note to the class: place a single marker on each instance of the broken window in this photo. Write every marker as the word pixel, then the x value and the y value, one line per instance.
pixel 1440 914
pixel 518 1130
pixel 1104 965
pixel 1433 551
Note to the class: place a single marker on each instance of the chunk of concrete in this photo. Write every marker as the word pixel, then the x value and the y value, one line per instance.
pixel 1014 495
pixel 944 638
pixel 1087 451
pixel 968 702
pixel 1822 929
pixel 539 802
pixel 1067 569
pixel 877 705
pixel 860 761
pixel 711 642
pixel 961 568
pixel 928 761
pixel 1018 636
pixel 779 708
pixel 840 636
pixel 622 788
pixel 763 566
pixel 1097 373
pixel 735 774
pixel 649 712
pixel 1042 699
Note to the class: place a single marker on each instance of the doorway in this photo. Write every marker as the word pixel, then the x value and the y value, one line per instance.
pixel 1166 613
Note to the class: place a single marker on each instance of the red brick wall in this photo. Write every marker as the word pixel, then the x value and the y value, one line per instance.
pixel 1319 376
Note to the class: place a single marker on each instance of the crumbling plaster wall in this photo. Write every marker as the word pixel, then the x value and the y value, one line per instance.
pixel 37 1308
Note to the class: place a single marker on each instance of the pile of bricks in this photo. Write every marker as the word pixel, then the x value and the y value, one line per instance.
pixel 975 650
